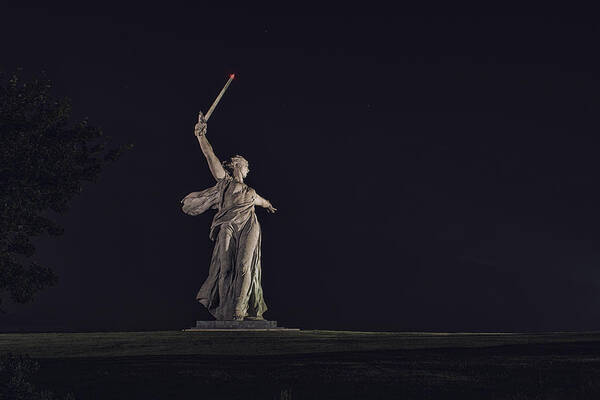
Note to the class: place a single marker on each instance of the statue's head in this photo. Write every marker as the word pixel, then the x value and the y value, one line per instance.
pixel 239 163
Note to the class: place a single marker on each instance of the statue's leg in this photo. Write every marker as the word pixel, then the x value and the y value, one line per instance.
pixel 245 263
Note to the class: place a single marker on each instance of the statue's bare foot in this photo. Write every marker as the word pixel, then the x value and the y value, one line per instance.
pixel 238 318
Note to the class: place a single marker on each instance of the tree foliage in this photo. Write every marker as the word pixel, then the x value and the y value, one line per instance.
pixel 16 373
pixel 44 160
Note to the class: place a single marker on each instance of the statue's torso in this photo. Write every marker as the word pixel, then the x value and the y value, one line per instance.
pixel 237 193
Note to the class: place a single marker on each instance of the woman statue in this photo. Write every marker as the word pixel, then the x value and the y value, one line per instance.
pixel 233 289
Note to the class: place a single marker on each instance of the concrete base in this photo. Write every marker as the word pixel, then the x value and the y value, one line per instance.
pixel 237 326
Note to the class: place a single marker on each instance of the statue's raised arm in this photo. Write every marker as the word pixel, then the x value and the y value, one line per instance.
pixel 213 161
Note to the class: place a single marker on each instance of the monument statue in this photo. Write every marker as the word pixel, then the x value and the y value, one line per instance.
pixel 232 291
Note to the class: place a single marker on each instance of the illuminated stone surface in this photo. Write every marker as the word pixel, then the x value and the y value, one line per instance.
pixel 232 290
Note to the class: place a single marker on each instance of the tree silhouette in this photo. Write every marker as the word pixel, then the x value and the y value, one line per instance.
pixel 44 160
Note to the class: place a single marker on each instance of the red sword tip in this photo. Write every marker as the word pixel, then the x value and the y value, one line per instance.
pixel 231 76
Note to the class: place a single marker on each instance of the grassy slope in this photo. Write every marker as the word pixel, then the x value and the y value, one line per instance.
pixel 314 364
pixel 116 344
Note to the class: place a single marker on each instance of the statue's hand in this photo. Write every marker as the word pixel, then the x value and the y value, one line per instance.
pixel 270 207
pixel 200 128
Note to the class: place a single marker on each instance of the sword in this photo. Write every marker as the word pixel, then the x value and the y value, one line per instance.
pixel 214 104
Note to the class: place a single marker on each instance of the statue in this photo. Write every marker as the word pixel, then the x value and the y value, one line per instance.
pixel 232 291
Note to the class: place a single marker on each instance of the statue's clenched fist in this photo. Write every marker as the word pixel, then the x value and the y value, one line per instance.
pixel 200 128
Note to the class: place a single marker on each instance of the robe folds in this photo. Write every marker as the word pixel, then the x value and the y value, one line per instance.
pixel 233 287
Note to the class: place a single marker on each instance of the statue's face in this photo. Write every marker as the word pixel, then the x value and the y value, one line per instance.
pixel 243 170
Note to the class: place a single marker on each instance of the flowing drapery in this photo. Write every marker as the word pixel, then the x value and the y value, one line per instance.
pixel 233 287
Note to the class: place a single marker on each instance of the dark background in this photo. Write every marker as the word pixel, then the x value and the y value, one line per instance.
pixel 432 172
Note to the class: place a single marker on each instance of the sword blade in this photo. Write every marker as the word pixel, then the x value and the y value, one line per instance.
pixel 214 104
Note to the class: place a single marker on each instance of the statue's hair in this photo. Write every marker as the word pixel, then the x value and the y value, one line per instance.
pixel 234 161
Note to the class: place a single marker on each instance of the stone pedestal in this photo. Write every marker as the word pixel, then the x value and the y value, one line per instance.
pixel 262 325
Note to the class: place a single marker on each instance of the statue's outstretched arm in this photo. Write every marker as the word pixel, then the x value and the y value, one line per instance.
pixel 262 202
pixel 214 164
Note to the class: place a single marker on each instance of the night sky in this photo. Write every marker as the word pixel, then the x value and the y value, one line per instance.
pixel 431 172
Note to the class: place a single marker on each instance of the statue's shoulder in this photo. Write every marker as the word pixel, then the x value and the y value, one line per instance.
pixel 225 180
pixel 223 183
